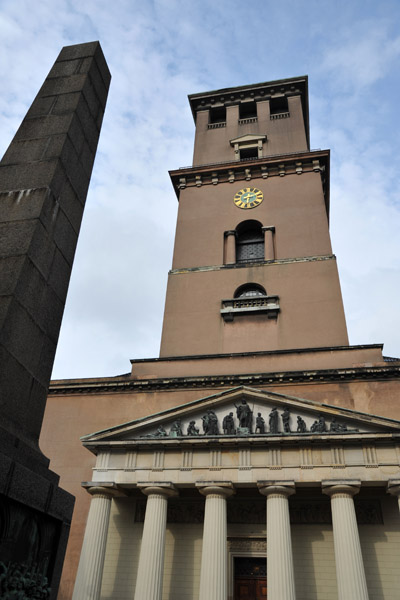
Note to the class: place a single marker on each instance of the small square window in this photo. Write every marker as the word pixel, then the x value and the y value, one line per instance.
pixel 247 110
pixel 248 153
pixel 278 105
pixel 218 114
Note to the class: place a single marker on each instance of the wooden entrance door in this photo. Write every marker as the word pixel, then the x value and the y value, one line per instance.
pixel 250 578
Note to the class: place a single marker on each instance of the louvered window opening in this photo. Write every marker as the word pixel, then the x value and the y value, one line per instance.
pixel 250 248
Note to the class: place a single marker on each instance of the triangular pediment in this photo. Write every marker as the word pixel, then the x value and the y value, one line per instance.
pixel 251 412
pixel 248 138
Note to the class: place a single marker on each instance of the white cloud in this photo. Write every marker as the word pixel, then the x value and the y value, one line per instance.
pixel 363 54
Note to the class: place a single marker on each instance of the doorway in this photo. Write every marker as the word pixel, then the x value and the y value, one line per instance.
pixel 250 573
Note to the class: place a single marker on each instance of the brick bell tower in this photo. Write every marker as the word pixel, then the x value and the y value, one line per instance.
pixel 253 268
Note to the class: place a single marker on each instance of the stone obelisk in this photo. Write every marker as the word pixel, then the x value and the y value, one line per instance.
pixel 44 179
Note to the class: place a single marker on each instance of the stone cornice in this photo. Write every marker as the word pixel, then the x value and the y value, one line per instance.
pixel 111 385
pixel 254 265
pixel 281 165
pixel 259 92
pixel 230 171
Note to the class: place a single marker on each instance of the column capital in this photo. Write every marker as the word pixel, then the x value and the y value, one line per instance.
pixel 349 487
pixel 268 228
pixel 230 232
pixel 393 487
pixel 161 488
pixel 101 488
pixel 224 489
pixel 280 488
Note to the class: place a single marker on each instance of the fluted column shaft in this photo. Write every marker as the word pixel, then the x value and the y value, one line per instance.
pixel 91 562
pixel 151 561
pixel 350 572
pixel 280 572
pixel 394 488
pixel 214 556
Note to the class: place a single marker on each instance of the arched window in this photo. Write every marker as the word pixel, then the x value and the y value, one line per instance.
pixel 249 242
pixel 250 290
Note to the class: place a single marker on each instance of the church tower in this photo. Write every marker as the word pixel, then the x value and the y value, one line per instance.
pixel 253 268
pixel 260 446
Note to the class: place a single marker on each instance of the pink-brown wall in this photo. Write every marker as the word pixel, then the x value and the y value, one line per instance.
pixel 70 416
pixel 283 135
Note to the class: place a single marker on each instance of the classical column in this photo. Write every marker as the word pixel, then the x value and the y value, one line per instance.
pixel 230 247
pixel 91 562
pixel 393 488
pixel 151 561
pixel 269 251
pixel 349 563
pixel 214 557
pixel 280 573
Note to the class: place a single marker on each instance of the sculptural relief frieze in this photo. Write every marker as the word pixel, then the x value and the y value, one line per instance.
pixel 245 420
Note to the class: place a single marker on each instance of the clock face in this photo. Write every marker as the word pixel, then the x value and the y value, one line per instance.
pixel 248 198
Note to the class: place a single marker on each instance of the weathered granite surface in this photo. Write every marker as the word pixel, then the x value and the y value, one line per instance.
pixel 44 179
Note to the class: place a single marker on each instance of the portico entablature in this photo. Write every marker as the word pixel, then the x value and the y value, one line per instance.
pixel 245 436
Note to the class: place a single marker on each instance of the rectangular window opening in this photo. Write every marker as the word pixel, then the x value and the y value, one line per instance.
pixel 247 110
pixel 278 105
pixel 217 115
pixel 248 153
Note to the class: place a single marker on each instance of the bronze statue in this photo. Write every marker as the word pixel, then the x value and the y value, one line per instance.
pixel 228 424
pixel 337 427
pixel 286 420
pixel 245 415
pixel 301 425
pixel 260 424
pixel 176 429
pixel 192 429
pixel 319 426
pixel 273 420
pixel 210 423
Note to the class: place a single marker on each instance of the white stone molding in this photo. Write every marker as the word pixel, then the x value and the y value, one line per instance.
pixel 149 580
pixel 158 460
pixel 187 460
pixel 214 556
pixel 280 572
pixel 338 457
pixel 245 459
pixel 102 461
pixel 370 456
pixel 215 460
pixel 350 571
pixel 393 488
pixel 306 458
pixel 91 562
pixel 130 461
pixel 275 460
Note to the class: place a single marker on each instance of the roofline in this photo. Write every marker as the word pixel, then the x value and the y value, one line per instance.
pixel 205 98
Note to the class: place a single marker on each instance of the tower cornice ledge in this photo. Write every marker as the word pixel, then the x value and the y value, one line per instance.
pixel 280 165
pixel 111 385
pixel 225 168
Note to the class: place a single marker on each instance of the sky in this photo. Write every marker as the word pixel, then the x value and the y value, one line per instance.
pixel 158 52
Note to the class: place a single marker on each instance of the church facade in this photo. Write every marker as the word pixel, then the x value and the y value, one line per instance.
pixel 259 455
